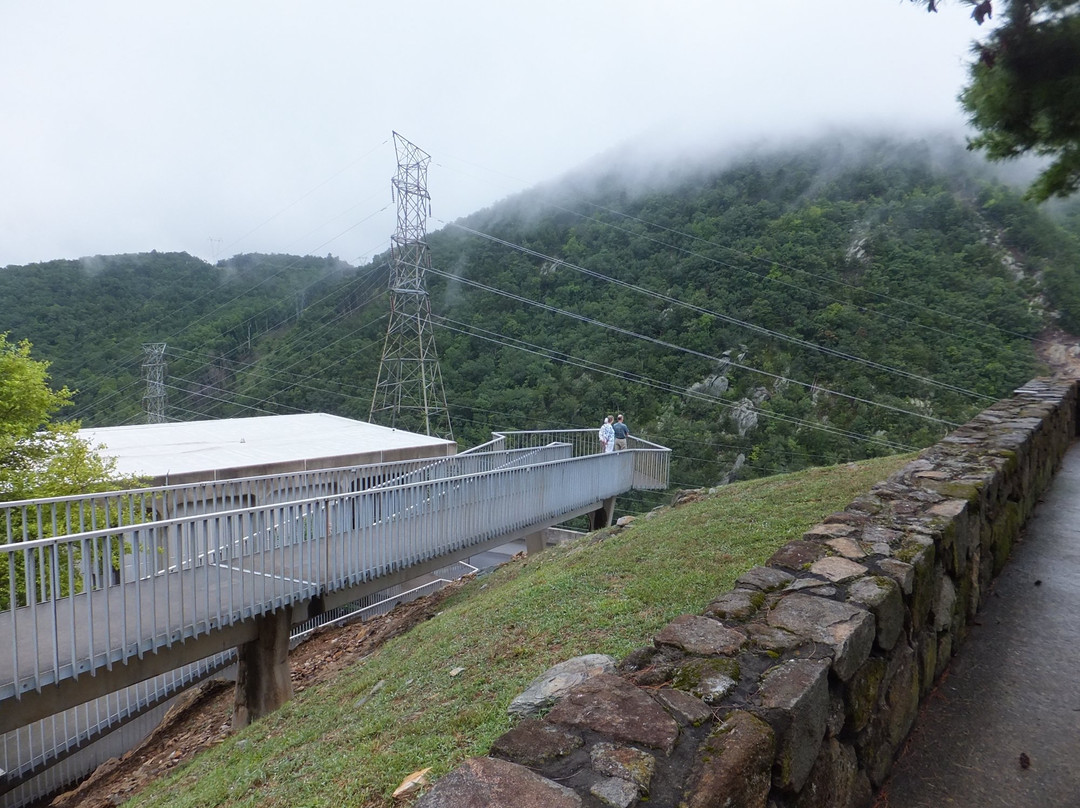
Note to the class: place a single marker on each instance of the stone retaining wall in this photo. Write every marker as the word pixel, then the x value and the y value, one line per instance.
pixel 797 688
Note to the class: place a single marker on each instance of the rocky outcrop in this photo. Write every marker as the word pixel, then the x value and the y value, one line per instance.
pixel 744 416
pixel 797 688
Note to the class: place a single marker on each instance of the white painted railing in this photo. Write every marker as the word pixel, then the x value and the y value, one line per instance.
pixel 87 582
pixel 29 755
pixel 43 756
pixel 71 605
pixel 23 520
pixel 652 462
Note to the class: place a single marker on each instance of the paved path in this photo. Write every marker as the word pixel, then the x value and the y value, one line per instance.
pixel 1012 695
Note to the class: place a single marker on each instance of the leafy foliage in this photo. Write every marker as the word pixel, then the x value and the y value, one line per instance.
pixel 843 301
pixel 1023 95
pixel 37 456
pixel 40 458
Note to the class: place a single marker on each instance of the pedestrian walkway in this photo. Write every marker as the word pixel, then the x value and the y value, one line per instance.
pixel 1002 727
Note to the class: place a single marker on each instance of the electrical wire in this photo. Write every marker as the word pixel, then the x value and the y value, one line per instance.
pixel 304 196
pixel 293 264
pixel 764 260
pixel 372 273
pixel 550 355
pixel 274 376
pixel 702 310
pixel 781 265
pixel 370 277
pixel 198 394
pixel 812 387
pixel 712 399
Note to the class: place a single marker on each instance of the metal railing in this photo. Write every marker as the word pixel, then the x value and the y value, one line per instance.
pixel 382 602
pixel 76 603
pixel 87 582
pixel 61 773
pixel 24 520
pixel 652 462
pixel 27 752
pixel 45 755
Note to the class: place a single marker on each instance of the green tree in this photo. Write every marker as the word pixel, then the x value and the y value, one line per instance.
pixel 39 457
pixel 26 401
pixel 42 458
pixel 1024 91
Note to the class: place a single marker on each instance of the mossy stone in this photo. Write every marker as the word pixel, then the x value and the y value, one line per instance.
pixel 692 675
pixel 863 692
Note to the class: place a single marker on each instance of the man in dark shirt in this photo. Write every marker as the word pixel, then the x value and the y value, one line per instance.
pixel 622 431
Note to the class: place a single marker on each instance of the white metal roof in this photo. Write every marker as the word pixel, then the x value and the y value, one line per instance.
pixel 235 447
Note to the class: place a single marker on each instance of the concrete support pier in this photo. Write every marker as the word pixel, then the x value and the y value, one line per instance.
pixel 263 682
pixel 601 517
pixel 535 542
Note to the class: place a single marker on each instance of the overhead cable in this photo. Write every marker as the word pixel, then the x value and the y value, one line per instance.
pixel 725 318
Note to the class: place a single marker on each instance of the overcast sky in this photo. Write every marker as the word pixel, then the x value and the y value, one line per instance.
pixel 224 126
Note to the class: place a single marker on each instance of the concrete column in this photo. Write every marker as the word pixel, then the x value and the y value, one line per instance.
pixel 263 682
pixel 601 517
pixel 535 542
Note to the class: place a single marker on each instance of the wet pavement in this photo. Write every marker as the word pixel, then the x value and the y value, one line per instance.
pixel 1002 726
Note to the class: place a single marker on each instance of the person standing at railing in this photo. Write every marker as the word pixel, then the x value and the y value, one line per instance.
pixel 622 432
pixel 607 435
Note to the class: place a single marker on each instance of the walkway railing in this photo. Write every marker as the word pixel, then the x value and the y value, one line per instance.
pixel 74 604
pixel 88 582
pixel 652 462
pixel 23 520
pixel 47 755
pixel 31 752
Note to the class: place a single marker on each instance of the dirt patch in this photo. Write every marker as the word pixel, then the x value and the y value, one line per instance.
pixel 203 716
pixel 1061 351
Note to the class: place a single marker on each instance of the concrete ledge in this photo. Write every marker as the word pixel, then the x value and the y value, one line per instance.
pixel 817 661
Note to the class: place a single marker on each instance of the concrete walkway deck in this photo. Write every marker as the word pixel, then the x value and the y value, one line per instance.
pixel 1002 727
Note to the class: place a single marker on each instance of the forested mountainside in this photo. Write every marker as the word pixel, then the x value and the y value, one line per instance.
pixel 779 311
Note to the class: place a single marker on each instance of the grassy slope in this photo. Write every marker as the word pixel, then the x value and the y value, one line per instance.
pixel 326 748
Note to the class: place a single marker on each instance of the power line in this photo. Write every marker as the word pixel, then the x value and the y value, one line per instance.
pixel 291 265
pixel 790 268
pixel 369 277
pixel 702 310
pixel 702 396
pixel 697 394
pixel 222 307
pixel 304 196
pixel 198 394
pixel 276 375
pixel 771 262
pixel 366 298
pixel 699 354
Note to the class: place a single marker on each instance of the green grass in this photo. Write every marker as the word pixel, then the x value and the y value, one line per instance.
pixel 607 593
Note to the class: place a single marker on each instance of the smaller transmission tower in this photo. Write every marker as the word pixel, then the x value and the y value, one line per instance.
pixel 154 373
pixel 409 390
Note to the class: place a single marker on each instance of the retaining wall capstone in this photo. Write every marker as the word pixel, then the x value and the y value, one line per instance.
pixel 797 688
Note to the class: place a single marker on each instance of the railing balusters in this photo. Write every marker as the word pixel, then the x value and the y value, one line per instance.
pixel 265 552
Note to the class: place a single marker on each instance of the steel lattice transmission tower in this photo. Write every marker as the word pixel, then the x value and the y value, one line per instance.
pixel 409 391
pixel 154 372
